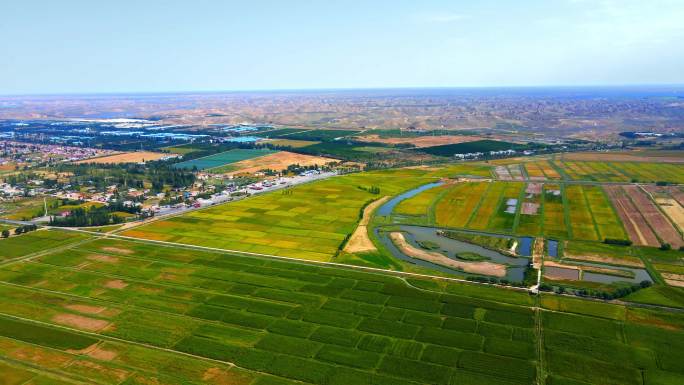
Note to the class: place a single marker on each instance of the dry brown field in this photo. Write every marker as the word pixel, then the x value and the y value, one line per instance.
pixel 659 223
pixel 421 141
pixel 127 157
pixel 635 225
pixel 278 161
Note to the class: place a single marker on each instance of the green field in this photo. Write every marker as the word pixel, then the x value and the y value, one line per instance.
pixel 320 135
pixel 644 172
pixel 309 221
pixel 421 203
pixel 223 158
pixel 468 147
pixel 482 206
pixel 119 312
pixel 17 246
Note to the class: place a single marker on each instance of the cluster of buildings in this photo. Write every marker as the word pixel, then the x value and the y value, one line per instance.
pixel 20 152
pixel 493 154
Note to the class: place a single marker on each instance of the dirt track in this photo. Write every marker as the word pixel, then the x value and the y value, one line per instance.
pixel 359 241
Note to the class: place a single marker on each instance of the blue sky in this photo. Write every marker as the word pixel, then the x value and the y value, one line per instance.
pixel 72 46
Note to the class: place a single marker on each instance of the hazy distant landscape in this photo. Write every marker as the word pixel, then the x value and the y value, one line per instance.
pixel 342 193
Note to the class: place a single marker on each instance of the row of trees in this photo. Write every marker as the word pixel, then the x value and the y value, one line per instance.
pixel 80 217
pixel 19 230
pixel 619 292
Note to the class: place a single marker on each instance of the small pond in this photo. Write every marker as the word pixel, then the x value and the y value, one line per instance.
pixel 451 247
pixel 552 248
pixel 525 246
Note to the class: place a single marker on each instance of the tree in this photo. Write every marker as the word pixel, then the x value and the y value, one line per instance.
pixel 665 246
pixel 5 233
pixel 18 230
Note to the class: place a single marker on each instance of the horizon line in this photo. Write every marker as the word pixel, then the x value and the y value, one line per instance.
pixel 328 89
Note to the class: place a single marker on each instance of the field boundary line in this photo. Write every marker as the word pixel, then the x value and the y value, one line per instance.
pixel 591 212
pixel 40 253
pixel 117 339
pixel 662 212
pixel 43 371
pixel 476 209
pixel 299 260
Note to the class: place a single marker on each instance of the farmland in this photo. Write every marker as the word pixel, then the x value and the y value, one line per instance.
pixel 643 172
pixel 309 221
pixel 318 135
pixel 468 147
pixel 292 143
pixel 128 157
pixel 223 158
pixel 524 209
pixel 114 311
pixel 616 168
pixel 277 161
pixel 29 243
pixel 420 141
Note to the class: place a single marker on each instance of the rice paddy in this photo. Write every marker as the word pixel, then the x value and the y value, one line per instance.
pixel 222 159
pixel 583 169
pixel 309 221
pixel 111 311
pixel 580 212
